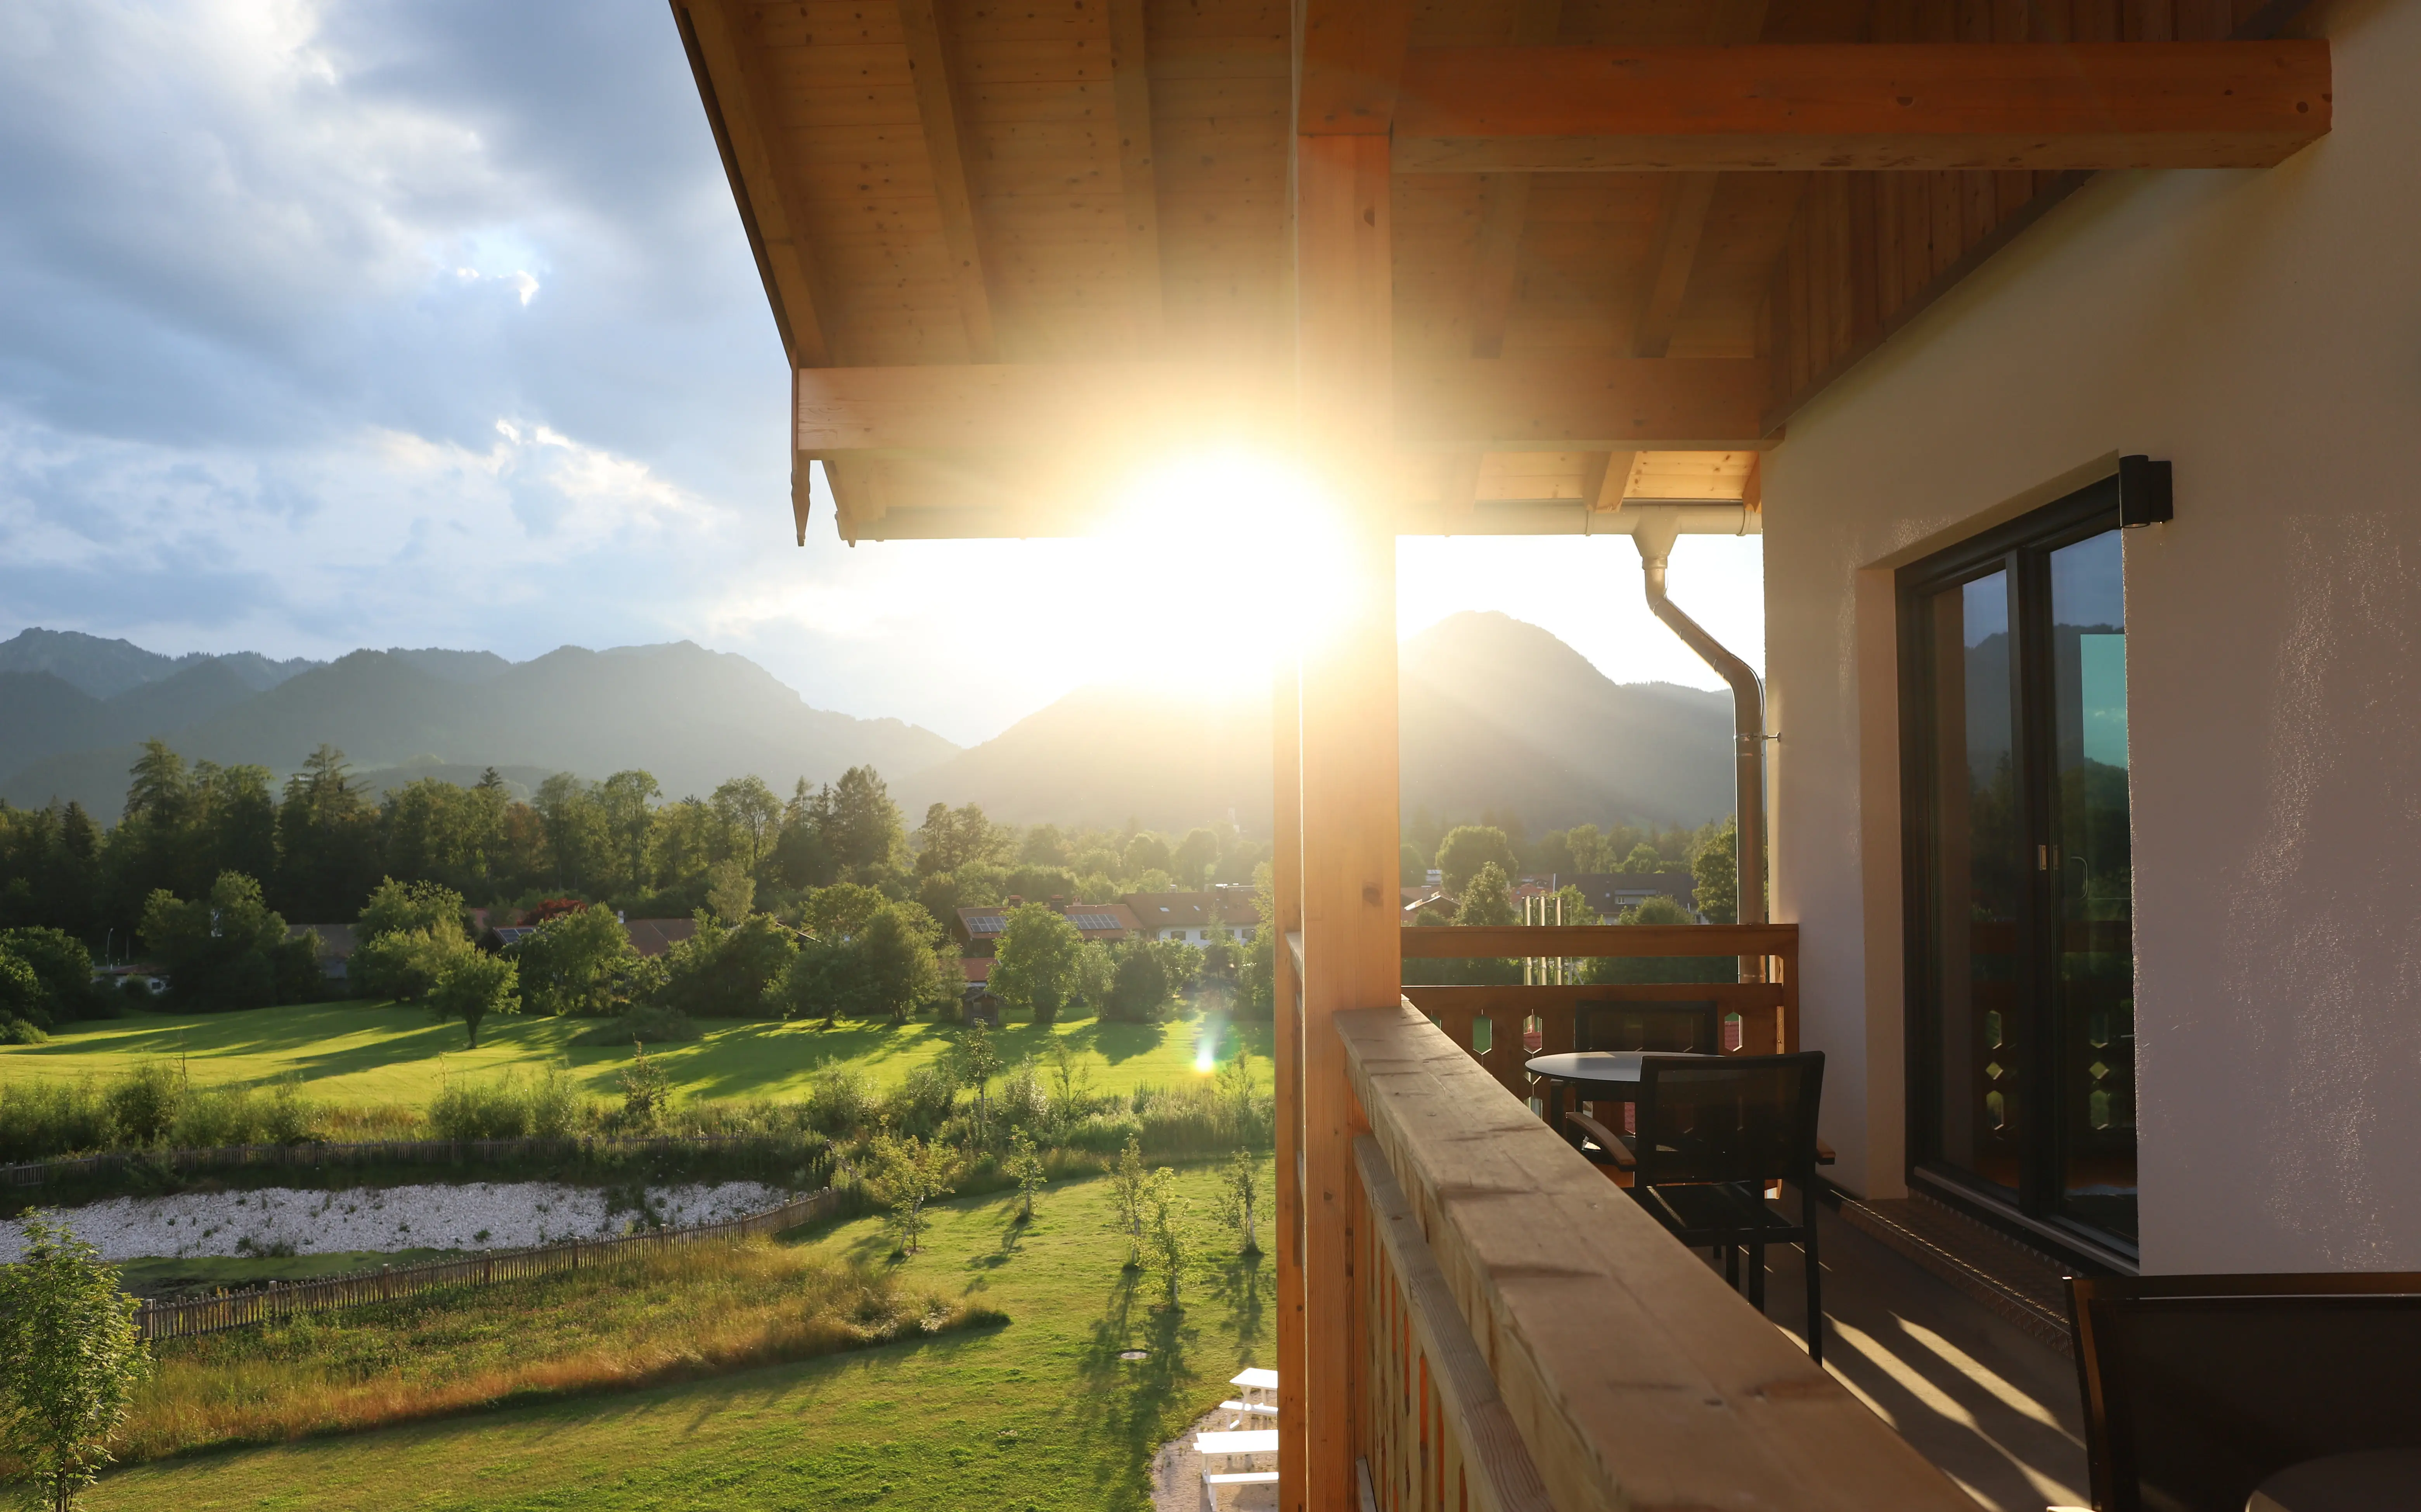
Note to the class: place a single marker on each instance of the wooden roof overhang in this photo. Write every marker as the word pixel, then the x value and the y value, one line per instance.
pixel 1019 248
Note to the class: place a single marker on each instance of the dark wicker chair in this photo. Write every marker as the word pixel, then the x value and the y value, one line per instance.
pixel 2197 1389
pixel 1711 1134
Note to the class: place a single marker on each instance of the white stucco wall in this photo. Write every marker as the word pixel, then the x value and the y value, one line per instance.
pixel 2262 330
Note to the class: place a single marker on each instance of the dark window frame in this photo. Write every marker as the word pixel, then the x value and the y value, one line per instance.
pixel 2020 546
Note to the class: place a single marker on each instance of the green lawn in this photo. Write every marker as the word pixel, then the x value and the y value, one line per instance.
pixel 379 1053
pixel 1040 1414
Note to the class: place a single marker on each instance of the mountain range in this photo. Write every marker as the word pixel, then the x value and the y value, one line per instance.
pixel 1495 714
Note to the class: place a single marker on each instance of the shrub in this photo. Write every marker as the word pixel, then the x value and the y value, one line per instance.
pixel 18 1032
pixel 841 1102
pixel 40 1118
pixel 922 1100
pixel 721 972
pixel 143 1102
pixel 508 1107
pixel 405 964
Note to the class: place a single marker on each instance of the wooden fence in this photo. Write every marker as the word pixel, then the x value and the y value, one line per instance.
pixel 365 1152
pixel 208 1314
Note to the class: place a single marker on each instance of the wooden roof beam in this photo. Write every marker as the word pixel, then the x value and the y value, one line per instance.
pixel 1918 106
pixel 1503 208
pixel 1440 405
pixel 946 149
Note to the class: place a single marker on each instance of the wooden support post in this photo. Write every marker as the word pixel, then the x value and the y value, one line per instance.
pixel 1286 886
pixel 1348 771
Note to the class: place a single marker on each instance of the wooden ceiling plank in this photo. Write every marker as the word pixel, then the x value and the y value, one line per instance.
pixel 946 149
pixel 730 76
pixel 1683 224
pixel 1138 176
pixel 1503 210
pixel 1874 107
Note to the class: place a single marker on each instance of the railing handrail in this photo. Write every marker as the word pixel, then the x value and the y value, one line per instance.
pixel 1493 1453
pixel 1633 1374
pixel 1464 941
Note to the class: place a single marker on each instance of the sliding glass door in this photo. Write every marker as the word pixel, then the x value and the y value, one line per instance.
pixel 2020 948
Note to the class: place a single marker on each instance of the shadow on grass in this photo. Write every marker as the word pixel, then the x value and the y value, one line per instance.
pixel 1129 1408
pixel 1243 1284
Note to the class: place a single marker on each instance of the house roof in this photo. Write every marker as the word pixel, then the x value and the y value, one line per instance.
pixel 1012 251
pixel 1095 921
pixel 335 940
pixel 1193 910
pixel 1610 892
pixel 648 937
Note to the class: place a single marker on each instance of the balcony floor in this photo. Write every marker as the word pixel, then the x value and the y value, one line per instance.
pixel 1993 1407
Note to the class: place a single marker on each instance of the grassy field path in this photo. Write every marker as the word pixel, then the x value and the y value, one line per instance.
pixel 1041 1416
pixel 387 1053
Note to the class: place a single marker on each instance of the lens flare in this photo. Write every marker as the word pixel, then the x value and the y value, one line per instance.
pixel 1205 1049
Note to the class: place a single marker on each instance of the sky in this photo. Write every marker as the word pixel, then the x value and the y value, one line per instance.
pixel 431 323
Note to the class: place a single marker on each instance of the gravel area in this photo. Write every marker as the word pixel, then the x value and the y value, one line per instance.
pixel 481 1215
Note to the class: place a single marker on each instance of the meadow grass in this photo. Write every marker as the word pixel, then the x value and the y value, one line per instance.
pixel 671 1314
pixel 366 1054
pixel 1040 1413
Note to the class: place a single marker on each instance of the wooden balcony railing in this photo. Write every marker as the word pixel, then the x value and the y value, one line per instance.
pixel 1526 1336
pixel 1502 1026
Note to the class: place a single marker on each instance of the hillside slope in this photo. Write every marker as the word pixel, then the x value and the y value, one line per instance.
pixel 1496 714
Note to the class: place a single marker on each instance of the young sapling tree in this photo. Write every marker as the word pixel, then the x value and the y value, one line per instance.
pixel 979 1062
pixel 70 1359
pixel 1130 1196
pixel 907 1175
pixel 1163 1213
pixel 1025 1165
pixel 1240 1196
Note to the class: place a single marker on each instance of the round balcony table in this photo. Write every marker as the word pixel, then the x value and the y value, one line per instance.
pixel 1595 1076
pixel 2373 1480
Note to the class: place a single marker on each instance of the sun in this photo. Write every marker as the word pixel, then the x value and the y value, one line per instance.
pixel 1241 547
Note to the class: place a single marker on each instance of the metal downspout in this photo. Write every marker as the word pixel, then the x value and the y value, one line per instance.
pixel 1654 537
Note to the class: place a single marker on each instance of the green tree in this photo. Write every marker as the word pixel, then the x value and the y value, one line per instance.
pixel 1164 1215
pixel 580 843
pixel 841 910
pixel 1644 860
pixel 1138 983
pixel 730 891
pixel 1025 1167
pixel 327 839
pixel 864 828
pixel 70 1360
pixel 1129 1197
pixel 950 838
pixel 59 969
pixel 473 985
pixel 753 814
pixel 1193 857
pixel 1486 899
pixel 647 1091
pixel 1714 873
pixel 907 1175
pixel 1659 909
pixel 573 963
pixel 410 907
pixel 1412 868
pixel 976 1061
pixel 1240 1196
pixel 1146 853
pixel 229 950
pixel 721 972
pixel 623 800
pixel 1035 965
pixel 1469 846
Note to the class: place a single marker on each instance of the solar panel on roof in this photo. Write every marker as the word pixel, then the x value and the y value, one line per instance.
pixel 1094 921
